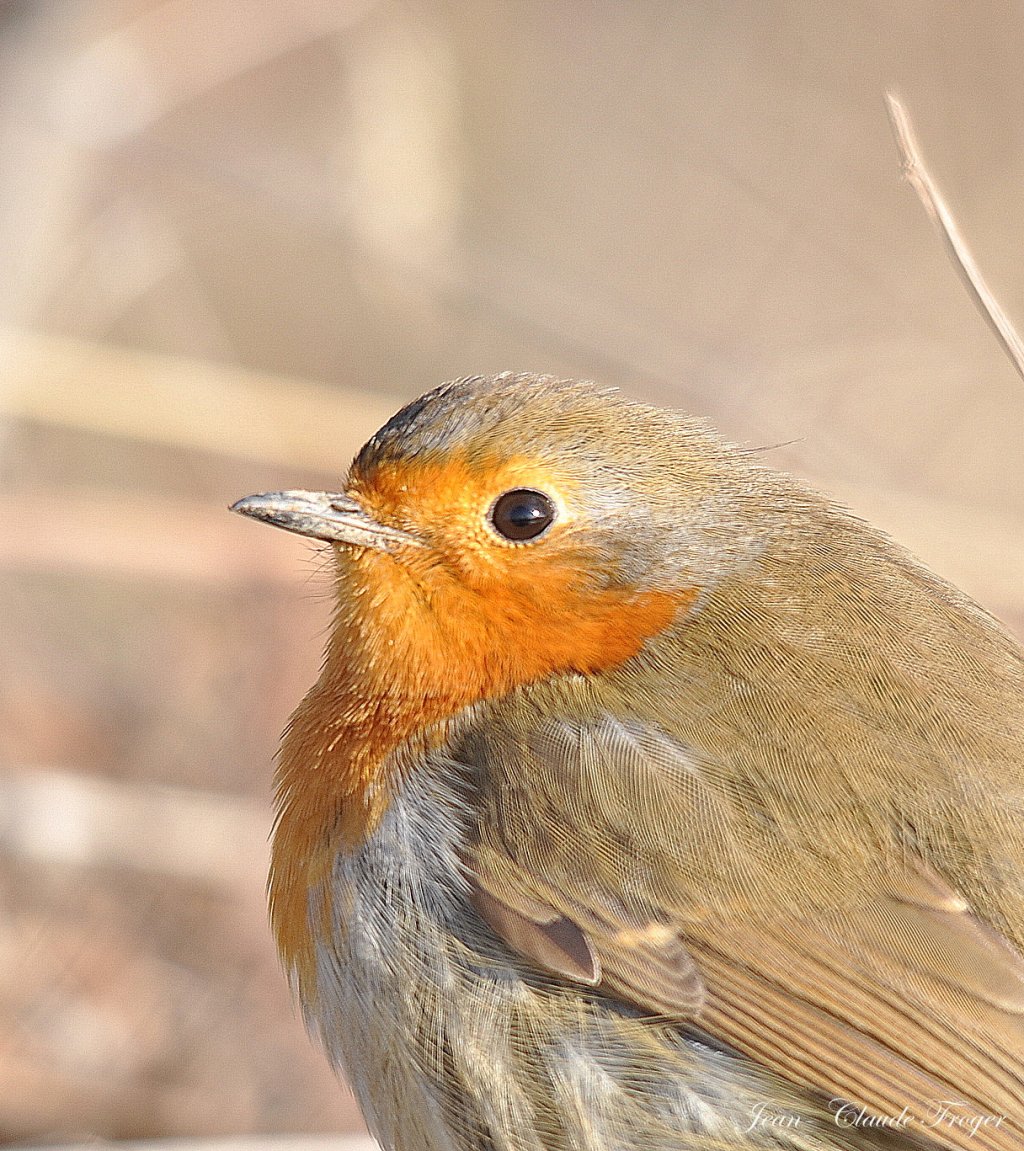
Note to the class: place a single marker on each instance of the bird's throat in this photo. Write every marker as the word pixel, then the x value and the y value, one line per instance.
pixel 402 661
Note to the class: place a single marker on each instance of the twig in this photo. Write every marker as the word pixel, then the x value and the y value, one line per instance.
pixel 917 174
pixel 191 404
pixel 141 535
pixel 90 821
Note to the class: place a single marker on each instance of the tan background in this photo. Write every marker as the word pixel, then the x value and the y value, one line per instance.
pixel 235 235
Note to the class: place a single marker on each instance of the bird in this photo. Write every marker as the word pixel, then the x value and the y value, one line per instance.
pixel 647 798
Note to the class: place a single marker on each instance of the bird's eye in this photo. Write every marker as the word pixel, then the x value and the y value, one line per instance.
pixel 522 514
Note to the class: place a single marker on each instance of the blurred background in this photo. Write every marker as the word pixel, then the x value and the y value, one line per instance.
pixel 236 235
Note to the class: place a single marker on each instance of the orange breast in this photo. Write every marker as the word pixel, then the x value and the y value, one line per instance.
pixel 415 641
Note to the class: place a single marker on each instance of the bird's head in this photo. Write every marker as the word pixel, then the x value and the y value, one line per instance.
pixel 500 530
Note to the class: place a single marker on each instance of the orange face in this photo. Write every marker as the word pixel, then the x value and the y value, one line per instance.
pixel 472 614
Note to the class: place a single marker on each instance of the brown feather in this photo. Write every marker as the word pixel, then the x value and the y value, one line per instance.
pixel 877 984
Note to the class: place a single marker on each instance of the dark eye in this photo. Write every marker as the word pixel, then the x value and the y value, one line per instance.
pixel 522 514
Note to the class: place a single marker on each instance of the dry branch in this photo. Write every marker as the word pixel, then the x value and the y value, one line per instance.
pixel 916 172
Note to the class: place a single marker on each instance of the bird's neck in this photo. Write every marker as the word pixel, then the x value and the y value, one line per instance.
pixel 331 786
pixel 405 656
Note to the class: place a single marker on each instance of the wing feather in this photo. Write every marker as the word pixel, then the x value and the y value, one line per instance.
pixel 891 995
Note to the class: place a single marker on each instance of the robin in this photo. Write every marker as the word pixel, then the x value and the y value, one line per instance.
pixel 647 799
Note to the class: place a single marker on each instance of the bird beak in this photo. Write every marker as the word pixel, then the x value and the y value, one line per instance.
pixel 338 519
